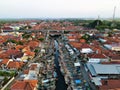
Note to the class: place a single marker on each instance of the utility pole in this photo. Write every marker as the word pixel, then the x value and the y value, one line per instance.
pixel 98 20
pixel 98 17
pixel 114 13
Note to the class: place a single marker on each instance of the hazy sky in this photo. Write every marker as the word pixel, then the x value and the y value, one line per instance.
pixel 58 8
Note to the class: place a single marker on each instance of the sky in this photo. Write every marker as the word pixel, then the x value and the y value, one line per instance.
pixel 58 8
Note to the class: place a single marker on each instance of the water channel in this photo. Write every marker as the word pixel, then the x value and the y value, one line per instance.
pixel 60 83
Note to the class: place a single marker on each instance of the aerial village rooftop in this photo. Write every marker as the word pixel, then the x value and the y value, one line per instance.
pixel 89 59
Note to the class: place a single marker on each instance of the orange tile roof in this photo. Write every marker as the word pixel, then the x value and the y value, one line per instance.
pixel 12 52
pixel 13 64
pixel 111 62
pixel 27 48
pixel 18 47
pixel 79 36
pixel 76 44
pixel 71 37
pixel 33 82
pixel 110 84
pixel 72 33
pixel 33 66
pixel 85 46
pixel 1 37
pixel 21 63
pixel 82 40
pixel 108 53
pixel 0 64
pixel 33 44
pixel 102 56
pixel 26 71
pixel 24 85
pixel 115 57
pixel 98 49
pixel 5 61
pixel 95 42
pixel 29 53
pixel 4 55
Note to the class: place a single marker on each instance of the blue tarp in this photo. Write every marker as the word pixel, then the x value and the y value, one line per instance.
pixel 77 81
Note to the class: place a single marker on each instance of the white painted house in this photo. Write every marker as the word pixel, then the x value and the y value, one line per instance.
pixel 85 48
pixel 97 58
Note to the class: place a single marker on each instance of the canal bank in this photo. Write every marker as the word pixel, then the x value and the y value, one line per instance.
pixel 60 83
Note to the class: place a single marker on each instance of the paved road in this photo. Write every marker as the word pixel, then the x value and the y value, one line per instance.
pixel 86 77
pixel 85 73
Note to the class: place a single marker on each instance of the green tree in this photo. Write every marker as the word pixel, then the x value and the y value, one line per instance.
pixel 5 79
pixel 110 34
pixel 11 40
pixel 12 74
pixel 41 39
pixel 95 23
pixel 36 50
pixel 26 35
pixel 87 37
pixel 19 43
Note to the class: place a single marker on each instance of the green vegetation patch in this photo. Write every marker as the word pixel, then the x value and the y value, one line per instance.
pixel 7 73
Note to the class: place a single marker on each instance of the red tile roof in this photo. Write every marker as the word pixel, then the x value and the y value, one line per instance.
pixel 108 53
pixel 71 37
pixel 18 47
pixel 33 44
pixel 33 66
pixel 76 44
pixel 12 52
pixel 95 42
pixel 26 71
pixel 7 28
pixel 85 46
pixel 102 56
pixel 29 53
pixel 79 36
pixel 14 64
pixel 110 84
pixel 111 62
pixel 4 55
pixel 24 85
pixel 5 61
pixel 82 40
pixel 27 48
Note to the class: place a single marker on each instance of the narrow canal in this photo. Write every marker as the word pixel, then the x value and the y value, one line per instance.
pixel 60 83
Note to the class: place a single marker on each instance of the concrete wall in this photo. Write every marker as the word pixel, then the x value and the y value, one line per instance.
pixel 8 83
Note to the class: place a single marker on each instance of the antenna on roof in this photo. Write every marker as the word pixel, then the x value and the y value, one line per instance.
pixel 114 13
pixel 98 17
pixel 98 20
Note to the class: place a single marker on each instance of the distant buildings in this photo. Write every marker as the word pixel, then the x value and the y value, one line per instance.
pixel 98 51
pixel 102 59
